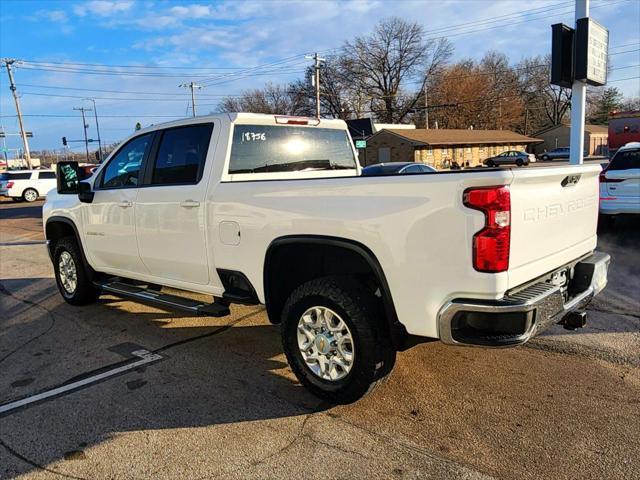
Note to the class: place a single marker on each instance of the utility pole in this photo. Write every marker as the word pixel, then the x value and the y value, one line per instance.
pixel 12 86
pixel 316 79
pixel 84 126
pixel 426 107
pixel 95 114
pixel 578 102
pixel 192 86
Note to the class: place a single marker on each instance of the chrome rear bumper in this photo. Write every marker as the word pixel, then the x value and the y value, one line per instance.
pixel 518 317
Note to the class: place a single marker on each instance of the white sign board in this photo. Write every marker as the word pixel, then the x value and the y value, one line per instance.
pixel 592 51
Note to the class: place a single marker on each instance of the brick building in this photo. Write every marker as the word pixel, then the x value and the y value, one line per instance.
pixel 595 139
pixel 439 148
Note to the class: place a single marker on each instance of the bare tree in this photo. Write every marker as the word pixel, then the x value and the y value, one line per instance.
pixel 274 99
pixel 389 64
pixel 545 104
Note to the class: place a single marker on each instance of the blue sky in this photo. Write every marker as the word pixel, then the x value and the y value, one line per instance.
pixel 170 43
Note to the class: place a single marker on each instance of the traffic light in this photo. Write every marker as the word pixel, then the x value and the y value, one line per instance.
pixel 64 141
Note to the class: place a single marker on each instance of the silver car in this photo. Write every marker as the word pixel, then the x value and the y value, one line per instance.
pixel 511 157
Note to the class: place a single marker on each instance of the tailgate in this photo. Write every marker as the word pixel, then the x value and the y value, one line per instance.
pixel 554 215
pixel 623 183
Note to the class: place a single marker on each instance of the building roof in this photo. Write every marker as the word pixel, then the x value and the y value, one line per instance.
pixel 461 136
pixel 604 129
pixel 597 128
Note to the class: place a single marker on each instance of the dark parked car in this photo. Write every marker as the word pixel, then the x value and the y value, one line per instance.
pixel 397 168
pixel 510 158
pixel 556 153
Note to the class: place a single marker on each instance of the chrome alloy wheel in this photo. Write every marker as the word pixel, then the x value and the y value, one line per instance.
pixel 30 195
pixel 325 343
pixel 67 272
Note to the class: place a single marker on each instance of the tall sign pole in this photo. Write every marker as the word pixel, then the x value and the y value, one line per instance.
pixel 578 102
pixel 12 86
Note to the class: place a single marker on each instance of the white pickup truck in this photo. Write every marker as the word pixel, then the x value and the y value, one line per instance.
pixel 263 209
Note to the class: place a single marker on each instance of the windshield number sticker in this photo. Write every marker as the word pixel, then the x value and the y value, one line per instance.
pixel 254 136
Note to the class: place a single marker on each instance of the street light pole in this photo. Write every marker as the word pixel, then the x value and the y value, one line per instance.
pixel 84 127
pixel 12 86
pixel 578 102
pixel 95 114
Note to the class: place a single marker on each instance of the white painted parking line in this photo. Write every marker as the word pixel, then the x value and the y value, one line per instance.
pixel 144 355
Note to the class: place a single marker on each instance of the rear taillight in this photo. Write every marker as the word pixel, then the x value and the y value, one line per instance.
pixel 491 244
pixel 9 185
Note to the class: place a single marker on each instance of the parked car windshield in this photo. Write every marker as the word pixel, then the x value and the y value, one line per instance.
pixel 270 148
pixel 625 160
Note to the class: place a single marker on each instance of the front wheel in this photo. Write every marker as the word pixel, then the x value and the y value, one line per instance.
pixel 30 195
pixel 334 340
pixel 545 158
pixel 519 162
pixel 491 163
pixel 72 278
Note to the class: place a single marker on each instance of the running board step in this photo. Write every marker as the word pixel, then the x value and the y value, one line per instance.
pixel 164 300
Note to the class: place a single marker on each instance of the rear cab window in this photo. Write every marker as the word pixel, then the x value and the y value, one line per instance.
pixel 286 151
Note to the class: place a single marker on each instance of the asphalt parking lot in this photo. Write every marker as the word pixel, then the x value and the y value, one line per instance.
pixel 220 401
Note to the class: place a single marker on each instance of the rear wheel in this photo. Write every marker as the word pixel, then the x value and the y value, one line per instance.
pixel 491 163
pixel 333 339
pixel 545 158
pixel 72 278
pixel 30 195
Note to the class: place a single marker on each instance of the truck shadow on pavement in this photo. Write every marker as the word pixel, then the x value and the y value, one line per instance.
pixel 212 371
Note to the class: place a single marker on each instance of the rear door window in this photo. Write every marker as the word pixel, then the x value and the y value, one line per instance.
pixel 625 160
pixel 270 148
pixel 181 155
pixel 20 176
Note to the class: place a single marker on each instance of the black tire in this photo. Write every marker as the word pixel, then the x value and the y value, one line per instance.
pixel 360 309
pixel 491 163
pixel 85 292
pixel 30 195
pixel 545 158
pixel 519 162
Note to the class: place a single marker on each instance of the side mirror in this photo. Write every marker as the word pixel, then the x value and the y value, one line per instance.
pixel 85 194
pixel 68 178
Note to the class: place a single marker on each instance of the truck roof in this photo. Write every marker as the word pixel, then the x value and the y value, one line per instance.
pixel 245 117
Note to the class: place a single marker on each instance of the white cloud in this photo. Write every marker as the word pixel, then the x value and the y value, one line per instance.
pixel 191 11
pixel 102 8
pixel 57 16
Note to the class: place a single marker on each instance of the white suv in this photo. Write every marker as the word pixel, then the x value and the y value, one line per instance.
pixel 27 185
pixel 620 182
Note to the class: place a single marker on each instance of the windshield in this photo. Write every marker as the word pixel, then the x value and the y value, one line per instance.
pixel 270 148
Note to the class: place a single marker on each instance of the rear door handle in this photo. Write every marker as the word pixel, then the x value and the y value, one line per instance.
pixel 189 204
pixel 125 204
